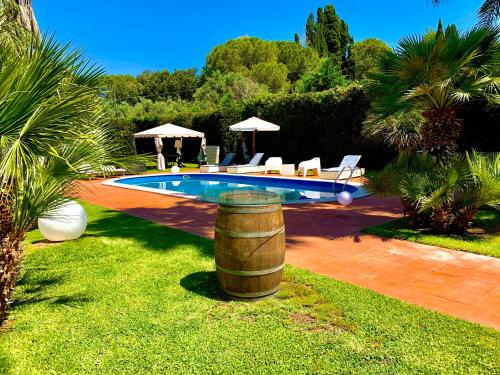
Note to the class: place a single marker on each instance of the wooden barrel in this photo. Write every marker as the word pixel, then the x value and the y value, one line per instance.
pixel 249 244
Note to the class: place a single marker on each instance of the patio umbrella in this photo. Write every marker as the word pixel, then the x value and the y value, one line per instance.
pixel 254 124
pixel 169 131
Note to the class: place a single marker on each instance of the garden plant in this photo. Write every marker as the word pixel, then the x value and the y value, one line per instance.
pixel 52 127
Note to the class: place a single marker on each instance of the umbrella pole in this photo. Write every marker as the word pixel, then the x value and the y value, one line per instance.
pixel 253 141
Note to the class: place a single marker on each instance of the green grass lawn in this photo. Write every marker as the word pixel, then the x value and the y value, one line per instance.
pixel 487 243
pixel 151 167
pixel 134 297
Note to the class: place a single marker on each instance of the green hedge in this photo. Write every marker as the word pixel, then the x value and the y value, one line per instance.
pixel 326 124
pixel 481 126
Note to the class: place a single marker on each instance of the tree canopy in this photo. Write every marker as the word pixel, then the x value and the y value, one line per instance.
pixel 326 76
pixel 121 88
pixel 180 84
pixel 221 87
pixel 240 55
pixel 297 59
pixel 365 56
pixel 329 35
pixel 275 64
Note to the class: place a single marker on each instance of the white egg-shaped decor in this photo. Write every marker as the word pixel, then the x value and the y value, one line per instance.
pixel 344 198
pixel 175 169
pixel 67 222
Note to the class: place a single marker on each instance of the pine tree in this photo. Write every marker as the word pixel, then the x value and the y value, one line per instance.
pixel 296 38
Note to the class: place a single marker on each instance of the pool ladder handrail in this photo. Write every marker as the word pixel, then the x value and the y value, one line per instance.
pixel 348 178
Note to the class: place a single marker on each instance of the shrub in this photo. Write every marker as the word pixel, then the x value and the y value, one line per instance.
pixel 442 195
pixel 326 76
pixel 401 131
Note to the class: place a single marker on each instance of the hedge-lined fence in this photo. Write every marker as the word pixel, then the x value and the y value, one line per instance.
pixel 326 124
pixel 481 126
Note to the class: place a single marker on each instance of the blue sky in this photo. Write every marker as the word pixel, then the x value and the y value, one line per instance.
pixel 128 36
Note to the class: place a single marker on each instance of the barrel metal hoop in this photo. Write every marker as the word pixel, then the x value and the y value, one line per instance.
pixel 227 205
pixel 235 234
pixel 251 295
pixel 250 273
pixel 249 210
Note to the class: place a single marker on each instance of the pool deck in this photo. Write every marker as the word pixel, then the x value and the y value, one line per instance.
pixel 326 238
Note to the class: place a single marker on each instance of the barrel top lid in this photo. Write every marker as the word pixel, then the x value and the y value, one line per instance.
pixel 245 197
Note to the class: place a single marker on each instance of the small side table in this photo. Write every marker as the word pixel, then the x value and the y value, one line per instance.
pixel 288 169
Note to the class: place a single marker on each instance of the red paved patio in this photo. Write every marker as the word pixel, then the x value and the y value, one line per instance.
pixel 325 238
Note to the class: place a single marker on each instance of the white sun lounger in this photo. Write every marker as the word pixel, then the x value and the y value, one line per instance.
pixel 252 166
pixel 347 169
pixel 314 164
pixel 222 167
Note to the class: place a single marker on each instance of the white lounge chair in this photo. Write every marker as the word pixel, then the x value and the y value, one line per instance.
pixel 222 167
pixel 273 164
pixel 212 155
pixel 347 169
pixel 252 166
pixel 314 164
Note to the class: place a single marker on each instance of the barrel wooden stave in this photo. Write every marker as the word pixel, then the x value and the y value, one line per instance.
pixel 250 239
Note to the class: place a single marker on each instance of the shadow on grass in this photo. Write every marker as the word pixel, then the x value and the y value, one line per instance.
pixel 489 219
pixel 35 285
pixel 53 243
pixel 74 300
pixel 152 236
pixel 204 284
pixel 36 292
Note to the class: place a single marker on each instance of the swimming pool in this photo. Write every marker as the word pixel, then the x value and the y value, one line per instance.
pixel 208 187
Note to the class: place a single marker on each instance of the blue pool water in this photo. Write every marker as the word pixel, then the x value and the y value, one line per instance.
pixel 208 187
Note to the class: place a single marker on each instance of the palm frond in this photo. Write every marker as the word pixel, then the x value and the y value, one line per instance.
pixel 437 72
pixel 489 12
pixel 52 125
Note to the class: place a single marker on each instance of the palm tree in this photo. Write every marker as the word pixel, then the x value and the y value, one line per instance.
pixel 443 196
pixel 52 127
pixel 436 75
pixel 488 13
pixel 401 131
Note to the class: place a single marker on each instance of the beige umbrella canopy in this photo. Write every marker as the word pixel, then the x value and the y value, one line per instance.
pixel 254 124
pixel 169 131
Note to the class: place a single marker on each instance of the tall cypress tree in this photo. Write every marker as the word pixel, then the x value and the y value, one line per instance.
pixel 332 32
pixel 310 23
pixel 329 36
pixel 439 31
pixel 346 41
pixel 319 40
pixel 296 38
